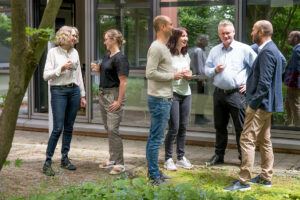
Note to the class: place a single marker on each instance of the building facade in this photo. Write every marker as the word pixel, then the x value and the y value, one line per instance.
pixel 134 19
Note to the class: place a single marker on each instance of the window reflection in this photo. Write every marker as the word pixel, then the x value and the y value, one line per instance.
pixel 132 19
pixel 5 29
pixel 199 20
pixel 284 16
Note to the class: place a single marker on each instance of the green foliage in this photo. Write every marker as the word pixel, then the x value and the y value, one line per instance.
pixel 42 33
pixel 199 183
pixel 5 29
pixel 138 188
pixel 279 16
pixel 3 99
pixel 18 162
pixel 95 89
pixel 204 20
pixel 6 163
pixel 136 92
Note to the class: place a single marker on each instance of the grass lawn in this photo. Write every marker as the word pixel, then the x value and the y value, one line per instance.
pixel 199 183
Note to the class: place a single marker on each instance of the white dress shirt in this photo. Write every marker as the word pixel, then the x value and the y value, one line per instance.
pixel 56 58
pixel 238 59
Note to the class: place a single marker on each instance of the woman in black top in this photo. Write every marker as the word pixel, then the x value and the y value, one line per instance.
pixel 114 71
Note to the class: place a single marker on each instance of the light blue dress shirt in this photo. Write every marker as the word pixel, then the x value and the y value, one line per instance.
pixel 238 59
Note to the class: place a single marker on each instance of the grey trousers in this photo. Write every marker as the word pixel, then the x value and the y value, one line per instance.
pixel 111 122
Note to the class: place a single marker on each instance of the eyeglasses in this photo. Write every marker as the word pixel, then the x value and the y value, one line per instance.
pixel 76 36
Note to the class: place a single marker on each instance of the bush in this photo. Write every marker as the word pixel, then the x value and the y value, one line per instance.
pixel 3 100
pixel 138 188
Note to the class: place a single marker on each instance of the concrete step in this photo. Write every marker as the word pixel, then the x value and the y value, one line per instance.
pixel 282 144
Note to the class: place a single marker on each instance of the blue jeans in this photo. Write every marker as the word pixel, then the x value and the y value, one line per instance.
pixel 159 109
pixel 180 112
pixel 65 103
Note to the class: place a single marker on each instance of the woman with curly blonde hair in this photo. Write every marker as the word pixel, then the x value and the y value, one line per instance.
pixel 63 73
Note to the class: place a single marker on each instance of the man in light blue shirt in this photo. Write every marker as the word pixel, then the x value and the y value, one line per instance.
pixel 228 64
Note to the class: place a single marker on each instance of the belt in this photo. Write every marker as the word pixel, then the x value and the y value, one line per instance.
pixel 67 86
pixel 227 91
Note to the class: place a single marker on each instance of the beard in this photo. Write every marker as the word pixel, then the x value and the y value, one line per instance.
pixel 256 39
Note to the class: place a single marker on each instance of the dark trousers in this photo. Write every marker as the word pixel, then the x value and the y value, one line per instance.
pixel 65 103
pixel 179 115
pixel 226 104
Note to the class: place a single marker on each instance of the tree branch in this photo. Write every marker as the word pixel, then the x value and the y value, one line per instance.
pixel 18 34
pixel 285 30
pixel 37 46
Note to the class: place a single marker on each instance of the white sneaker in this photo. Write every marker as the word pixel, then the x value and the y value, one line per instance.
pixel 169 165
pixel 184 163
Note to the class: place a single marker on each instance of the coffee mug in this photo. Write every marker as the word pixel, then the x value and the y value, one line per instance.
pixel 74 65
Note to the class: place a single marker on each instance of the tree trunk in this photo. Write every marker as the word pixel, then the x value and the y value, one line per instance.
pixel 23 62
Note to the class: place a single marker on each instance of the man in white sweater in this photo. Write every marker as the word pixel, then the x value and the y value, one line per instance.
pixel 160 75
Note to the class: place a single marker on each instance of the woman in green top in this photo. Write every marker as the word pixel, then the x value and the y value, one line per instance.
pixel 181 106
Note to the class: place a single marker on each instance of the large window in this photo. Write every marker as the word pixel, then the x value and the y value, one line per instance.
pixel 135 22
pixel 284 15
pixel 5 52
pixel 5 28
pixel 67 15
pixel 200 18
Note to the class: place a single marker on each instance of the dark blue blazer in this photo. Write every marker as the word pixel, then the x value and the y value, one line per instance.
pixel 292 75
pixel 264 83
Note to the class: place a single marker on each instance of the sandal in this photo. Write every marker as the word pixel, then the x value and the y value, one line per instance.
pixel 118 169
pixel 107 164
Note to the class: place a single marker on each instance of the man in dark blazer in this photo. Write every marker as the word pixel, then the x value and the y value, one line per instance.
pixel 292 82
pixel 264 96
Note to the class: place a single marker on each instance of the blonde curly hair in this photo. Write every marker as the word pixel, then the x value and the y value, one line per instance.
pixel 63 36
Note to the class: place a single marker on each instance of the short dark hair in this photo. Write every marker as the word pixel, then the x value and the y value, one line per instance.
pixel 201 39
pixel 172 43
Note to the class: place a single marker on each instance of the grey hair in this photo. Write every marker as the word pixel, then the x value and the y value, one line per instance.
pixel 77 32
pixel 225 22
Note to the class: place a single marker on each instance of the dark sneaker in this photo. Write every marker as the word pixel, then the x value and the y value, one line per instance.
pixel 47 169
pixel 216 159
pixel 164 176
pixel 158 181
pixel 258 180
pixel 237 186
pixel 65 163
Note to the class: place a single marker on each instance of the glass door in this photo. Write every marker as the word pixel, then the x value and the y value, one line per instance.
pixel 201 19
